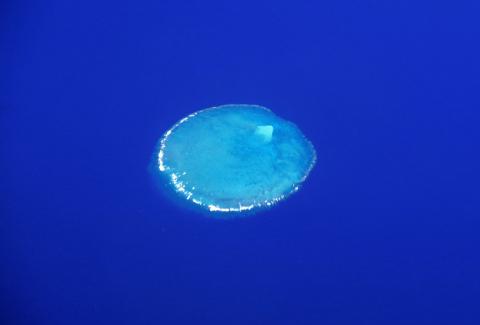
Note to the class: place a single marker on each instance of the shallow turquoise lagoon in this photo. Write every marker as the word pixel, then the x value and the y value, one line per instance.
pixel 234 158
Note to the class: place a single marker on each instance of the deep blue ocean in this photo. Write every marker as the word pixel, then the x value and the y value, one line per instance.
pixel 385 230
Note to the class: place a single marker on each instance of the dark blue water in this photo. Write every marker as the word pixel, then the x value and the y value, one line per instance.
pixel 385 230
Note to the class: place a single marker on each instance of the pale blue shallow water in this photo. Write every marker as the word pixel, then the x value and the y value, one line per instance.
pixel 234 158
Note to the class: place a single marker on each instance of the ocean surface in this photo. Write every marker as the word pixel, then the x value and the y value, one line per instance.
pixel 384 231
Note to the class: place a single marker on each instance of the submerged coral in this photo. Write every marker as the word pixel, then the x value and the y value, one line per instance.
pixel 235 158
